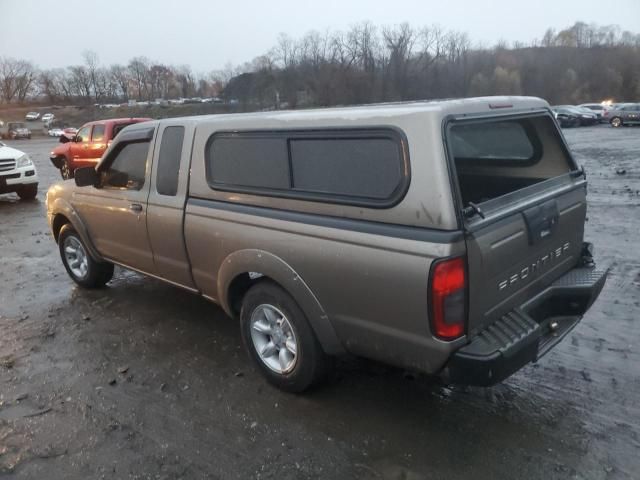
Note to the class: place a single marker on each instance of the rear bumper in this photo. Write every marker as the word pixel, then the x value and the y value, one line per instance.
pixel 526 333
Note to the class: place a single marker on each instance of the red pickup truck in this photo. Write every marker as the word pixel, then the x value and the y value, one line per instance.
pixel 88 145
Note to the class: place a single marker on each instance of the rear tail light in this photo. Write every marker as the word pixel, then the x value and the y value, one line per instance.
pixel 448 298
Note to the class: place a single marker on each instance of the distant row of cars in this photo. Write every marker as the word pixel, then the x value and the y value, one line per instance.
pixel 617 114
pixel 33 116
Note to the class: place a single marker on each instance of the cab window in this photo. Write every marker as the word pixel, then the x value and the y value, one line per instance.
pixel 98 134
pixel 127 170
pixel 83 135
pixel 169 161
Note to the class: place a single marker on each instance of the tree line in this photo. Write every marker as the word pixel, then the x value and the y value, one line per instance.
pixel 364 64
pixel 87 83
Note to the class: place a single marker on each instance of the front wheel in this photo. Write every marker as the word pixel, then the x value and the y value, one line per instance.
pixel 616 122
pixel 280 340
pixel 28 192
pixel 82 269
pixel 65 170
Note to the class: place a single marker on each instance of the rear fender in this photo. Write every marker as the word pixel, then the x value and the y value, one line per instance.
pixel 269 265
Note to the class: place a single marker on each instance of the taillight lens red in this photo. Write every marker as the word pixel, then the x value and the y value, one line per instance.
pixel 448 298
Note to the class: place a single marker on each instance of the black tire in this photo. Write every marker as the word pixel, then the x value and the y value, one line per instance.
pixel 28 192
pixel 311 362
pixel 65 170
pixel 97 273
pixel 616 122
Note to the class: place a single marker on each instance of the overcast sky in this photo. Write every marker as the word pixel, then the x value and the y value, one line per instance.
pixel 208 34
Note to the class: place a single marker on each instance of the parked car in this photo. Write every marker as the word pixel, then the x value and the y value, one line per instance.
pixel 17 173
pixel 315 229
pixel 86 146
pixel 587 117
pixel 31 116
pixel 627 114
pixel 15 130
pixel 601 111
pixel 566 118
pixel 48 117
pixel 55 132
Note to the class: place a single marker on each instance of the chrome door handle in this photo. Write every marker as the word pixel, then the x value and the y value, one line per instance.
pixel 135 207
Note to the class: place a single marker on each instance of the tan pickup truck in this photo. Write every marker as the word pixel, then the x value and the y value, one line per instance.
pixel 445 237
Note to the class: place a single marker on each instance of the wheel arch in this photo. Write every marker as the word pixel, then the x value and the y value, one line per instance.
pixel 242 269
pixel 62 214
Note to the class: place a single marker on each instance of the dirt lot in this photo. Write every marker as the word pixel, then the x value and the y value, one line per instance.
pixel 142 380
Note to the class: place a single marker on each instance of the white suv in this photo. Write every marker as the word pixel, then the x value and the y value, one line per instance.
pixel 17 173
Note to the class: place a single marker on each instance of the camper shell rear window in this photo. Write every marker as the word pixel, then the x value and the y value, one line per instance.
pixel 496 156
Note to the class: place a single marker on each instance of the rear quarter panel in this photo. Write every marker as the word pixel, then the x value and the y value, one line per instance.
pixel 372 287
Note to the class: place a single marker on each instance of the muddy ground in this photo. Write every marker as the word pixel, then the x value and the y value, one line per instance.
pixel 142 380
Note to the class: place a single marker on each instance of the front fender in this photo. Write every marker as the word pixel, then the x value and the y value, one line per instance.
pixel 57 161
pixel 61 206
pixel 59 154
pixel 269 265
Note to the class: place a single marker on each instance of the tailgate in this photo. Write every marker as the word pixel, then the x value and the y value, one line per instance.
pixel 523 203
pixel 522 251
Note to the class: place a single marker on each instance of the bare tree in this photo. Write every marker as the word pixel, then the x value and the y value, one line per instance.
pixel 399 43
pixel 17 79
pixel 92 66
pixel 138 69
pixel 186 81
pixel 80 81
pixel 120 76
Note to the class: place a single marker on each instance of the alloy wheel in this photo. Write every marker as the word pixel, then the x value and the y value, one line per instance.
pixel 274 339
pixel 76 257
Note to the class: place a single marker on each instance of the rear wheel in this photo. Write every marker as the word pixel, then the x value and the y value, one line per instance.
pixel 280 340
pixel 28 192
pixel 82 269
pixel 616 122
pixel 65 170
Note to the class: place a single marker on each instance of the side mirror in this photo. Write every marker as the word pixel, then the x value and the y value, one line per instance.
pixel 86 177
